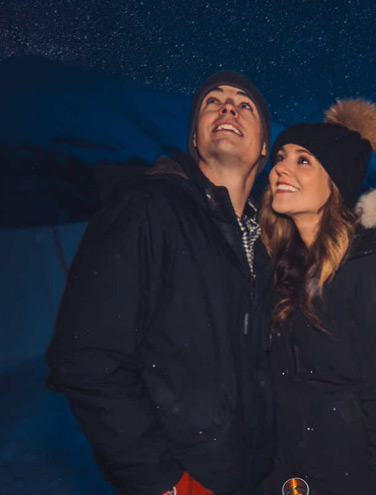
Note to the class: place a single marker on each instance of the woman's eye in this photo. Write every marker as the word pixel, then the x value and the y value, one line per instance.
pixel 278 158
pixel 303 160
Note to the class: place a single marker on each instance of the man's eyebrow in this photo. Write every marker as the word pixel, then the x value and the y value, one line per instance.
pixel 242 93
pixel 216 89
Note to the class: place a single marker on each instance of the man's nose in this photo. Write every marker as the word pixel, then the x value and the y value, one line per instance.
pixel 229 108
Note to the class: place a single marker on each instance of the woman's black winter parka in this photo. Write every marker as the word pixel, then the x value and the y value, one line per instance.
pixel 161 339
pixel 325 384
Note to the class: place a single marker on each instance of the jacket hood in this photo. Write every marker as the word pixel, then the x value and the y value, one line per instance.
pixel 166 165
pixel 365 242
pixel 366 207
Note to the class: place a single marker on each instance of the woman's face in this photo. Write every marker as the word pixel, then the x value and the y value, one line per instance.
pixel 299 183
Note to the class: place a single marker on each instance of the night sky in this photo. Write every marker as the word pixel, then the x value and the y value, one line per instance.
pixel 302 54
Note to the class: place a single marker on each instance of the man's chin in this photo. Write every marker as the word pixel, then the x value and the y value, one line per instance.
pixel 225 148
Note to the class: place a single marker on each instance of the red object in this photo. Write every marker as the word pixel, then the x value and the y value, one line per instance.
pixel 189 486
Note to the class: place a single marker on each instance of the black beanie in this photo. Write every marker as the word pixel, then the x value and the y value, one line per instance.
pixel 237 80
pixel 338 145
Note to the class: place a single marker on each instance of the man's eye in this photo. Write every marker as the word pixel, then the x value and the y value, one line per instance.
pixel 247 106
pixel 210 100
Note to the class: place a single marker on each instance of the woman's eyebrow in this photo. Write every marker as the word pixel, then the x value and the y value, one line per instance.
pixel 302 150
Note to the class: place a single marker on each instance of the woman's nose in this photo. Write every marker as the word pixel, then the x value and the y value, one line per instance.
pixel 281 167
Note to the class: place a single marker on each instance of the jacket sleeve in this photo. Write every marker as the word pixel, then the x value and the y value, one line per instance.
pixel 367 332
pixel 94 359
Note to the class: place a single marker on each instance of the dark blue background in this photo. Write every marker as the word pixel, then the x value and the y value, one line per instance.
pixel 91 92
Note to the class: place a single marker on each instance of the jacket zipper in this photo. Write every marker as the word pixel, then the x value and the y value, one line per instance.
pixel 246 315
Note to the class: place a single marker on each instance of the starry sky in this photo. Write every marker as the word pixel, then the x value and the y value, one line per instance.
pixel 302 54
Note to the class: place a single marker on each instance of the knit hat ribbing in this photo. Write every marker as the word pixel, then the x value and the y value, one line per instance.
pixel 237 80
pixel 341 144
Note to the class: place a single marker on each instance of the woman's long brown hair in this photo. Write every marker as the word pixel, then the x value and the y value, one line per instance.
pixel 300 273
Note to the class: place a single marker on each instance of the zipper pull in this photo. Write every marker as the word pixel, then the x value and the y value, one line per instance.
pixel 246 321
pixel 253 283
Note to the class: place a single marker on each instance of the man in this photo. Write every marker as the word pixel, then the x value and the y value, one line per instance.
pixel 160 343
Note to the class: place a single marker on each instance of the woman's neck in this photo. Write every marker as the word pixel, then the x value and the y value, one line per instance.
pixel 308 227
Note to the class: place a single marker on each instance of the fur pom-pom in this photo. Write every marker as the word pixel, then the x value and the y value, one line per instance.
pixel 357 115
pixel 366 207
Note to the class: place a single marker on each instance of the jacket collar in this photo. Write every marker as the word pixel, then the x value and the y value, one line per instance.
pixel 364 243
pixel 217 198
pixel 219 206
pixel 216 201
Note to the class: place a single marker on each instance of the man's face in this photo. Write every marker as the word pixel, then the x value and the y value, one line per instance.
pixel 229 126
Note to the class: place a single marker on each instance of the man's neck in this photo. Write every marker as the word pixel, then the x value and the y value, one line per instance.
pixel 237 180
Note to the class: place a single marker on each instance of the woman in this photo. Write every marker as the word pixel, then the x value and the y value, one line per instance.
pixel 324 318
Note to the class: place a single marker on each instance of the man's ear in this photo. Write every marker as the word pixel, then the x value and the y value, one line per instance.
pixel 263 151
pixel 194 140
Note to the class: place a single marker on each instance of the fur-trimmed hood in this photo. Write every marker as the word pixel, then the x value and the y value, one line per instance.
pixel 365 242
pixel 366 206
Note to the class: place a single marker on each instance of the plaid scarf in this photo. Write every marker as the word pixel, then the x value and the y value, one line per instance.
pixel 250 231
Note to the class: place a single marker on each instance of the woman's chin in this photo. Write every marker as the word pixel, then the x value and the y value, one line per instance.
pixel 279 207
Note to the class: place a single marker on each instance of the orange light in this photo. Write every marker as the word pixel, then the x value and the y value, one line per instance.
pixel 295 486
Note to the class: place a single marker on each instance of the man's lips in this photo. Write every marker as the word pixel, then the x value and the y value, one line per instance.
pixel 285 187
pixel 227 127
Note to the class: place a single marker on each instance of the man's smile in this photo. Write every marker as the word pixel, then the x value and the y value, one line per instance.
pixel 227 127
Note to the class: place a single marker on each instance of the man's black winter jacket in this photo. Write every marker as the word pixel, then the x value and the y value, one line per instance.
pixel 161 339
